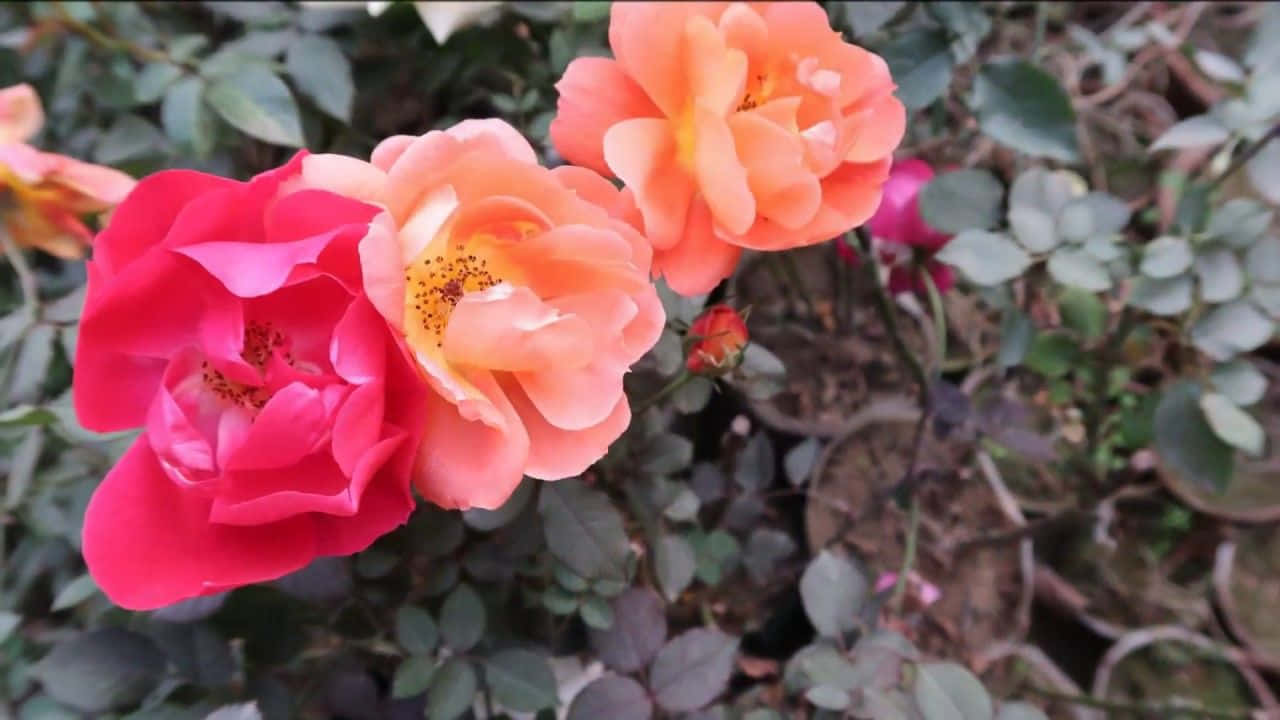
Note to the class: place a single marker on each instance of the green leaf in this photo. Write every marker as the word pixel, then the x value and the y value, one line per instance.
pixel 323 73
pixel 866 18
pixel 827 697
pixel 611 696
pixel 154 79
pixel 1020 711
pixel 415 630
pixel 129 138
pixel 920 61
pixel 1076 268
pixel 1046 190
pixel 1195 131
pixel 765 549
pixel 1024 107
pixel 596 612
pixel 584 530
pixel 1162 297
pixel 947 691
pixel 693 395
pixel 521 680
pixel 1221 278
pixel 490 520
pixel 413 676
pixel 833 592
pixel 985 258
pixel 74 593
pixel 258 103
pixel 1263 260
pixel 1094 215
pixel 753 469
pixel 667 453
pixel 22 467
pixel 693 669
pixel 101 670
pixel 630 643
pixel 1166 257
pixel 1240 381
pixel 1034 228
pixel 1231 329
pixel 462 618
pixel 1233 425
pixel 962 200
pixel 1016 332
pixel 589 11
pixel 761 374
pixel 800 459
pixel 453 688
pixel 238 711
pixel 1240 222
pixel 1186 443
pixel 1263 170
pixel 968 23
pixel 1053 354
pixel 9 621
pixel 1219 67
pixel 186 118
pixel 674 564
pixel 1083 312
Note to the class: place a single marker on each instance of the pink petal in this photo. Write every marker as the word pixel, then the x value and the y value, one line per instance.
pixel 148 543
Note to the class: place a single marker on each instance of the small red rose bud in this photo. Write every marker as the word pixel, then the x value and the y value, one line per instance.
pixel 718 335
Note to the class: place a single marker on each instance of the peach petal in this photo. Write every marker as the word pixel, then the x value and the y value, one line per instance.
pixel 641 152
pixel 721 177
pixel 785 190
pixel 882 127
pixel 555 453
pixel 383 271
pixel 464 464
pixel 511 329
pixel 701 260
pixel 595 95
pixel 498 132
pixel 21 114
pixel 345 176
pixel 575 398
pixel 717 74
pixel 389 151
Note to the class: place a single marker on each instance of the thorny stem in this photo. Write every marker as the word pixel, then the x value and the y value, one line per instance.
pixel 788 264
pixel 109 42
pixel 26 279
pixel 1245 157
pixel 939 317
pixel 1157 709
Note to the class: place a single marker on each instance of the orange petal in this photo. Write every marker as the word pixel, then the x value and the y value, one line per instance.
pixel 785 190
pixel 717 74
pixel 575 398
pixel 700 260
pixel 646 39
pixel 595 95
pixel 879 130
pixel 511 329
pixel 721 177
pixel 464 464
pixel 641 153
pixel 744 29
pixel 556 453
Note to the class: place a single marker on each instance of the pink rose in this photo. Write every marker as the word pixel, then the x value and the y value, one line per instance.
pixel 280 414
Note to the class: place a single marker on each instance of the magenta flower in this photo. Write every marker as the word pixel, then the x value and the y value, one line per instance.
pixel 903 241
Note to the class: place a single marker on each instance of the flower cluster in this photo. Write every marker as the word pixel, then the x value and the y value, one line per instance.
pixel 305 349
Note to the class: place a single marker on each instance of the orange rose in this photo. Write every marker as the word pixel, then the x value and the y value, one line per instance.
pixel 720 335
pixel 48 193
pixel 523 293
pixel 736 126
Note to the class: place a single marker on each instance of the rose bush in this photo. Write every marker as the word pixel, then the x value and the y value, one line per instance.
pixel 280 415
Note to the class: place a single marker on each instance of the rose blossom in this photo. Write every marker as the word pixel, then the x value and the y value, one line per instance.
pixel 280 415
pixel 45 194
pixel 735 125
pixel 523 293
pixel 902 239
pixel 719 334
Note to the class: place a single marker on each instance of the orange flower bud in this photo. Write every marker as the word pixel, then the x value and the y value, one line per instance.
pixel 719 335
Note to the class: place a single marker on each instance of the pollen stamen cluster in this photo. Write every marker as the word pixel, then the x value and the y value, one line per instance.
pixel 261 341
pixel 436 284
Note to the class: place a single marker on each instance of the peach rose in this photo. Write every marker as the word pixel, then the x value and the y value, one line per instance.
pixel 736 126
pixel 522 292
pixel 48 193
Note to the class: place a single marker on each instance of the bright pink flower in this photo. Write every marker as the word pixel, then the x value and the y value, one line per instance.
pixel 902 240
pixel 280 415
pixel 523 293
pixel 736 125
